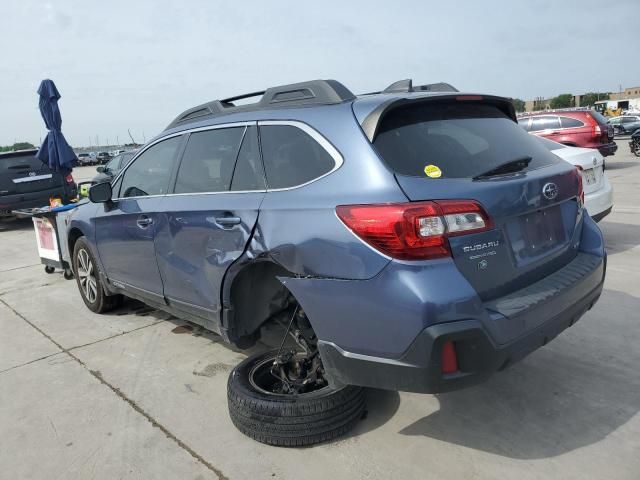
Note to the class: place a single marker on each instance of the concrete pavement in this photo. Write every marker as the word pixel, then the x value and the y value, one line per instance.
pixel 131 394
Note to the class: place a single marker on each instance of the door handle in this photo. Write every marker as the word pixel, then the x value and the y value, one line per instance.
pixel 144 221
pixel 226 222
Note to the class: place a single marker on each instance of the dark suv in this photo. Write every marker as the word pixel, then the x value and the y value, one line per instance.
pixel 413 239
pixel 574 127
pixel 25 182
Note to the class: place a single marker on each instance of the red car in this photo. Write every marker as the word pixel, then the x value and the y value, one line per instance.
pixel 574 127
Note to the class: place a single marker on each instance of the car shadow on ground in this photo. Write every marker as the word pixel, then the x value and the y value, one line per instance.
pixel 381 405
pixel 8 224
pixel 568 395
pixel 618 165
pixel 619 237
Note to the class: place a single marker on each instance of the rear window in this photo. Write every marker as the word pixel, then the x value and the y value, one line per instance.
pixel 462 140
pixel 601 119
pixel 16 163
pixel 550 144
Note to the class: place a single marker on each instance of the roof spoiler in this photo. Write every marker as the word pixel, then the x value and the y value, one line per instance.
pixel 407 86
pixel 372 121
pixel 314 92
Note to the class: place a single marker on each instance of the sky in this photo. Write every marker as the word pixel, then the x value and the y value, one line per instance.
pixel 135 65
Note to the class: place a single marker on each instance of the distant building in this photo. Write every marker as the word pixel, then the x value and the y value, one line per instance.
pixel 540 103
pixel 631 92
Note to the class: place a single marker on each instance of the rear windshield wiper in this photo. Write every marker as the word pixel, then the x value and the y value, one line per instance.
pixel 511 166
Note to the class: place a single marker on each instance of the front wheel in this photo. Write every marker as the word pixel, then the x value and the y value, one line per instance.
pixel 636 148
pixel 88 279
pixel 261 409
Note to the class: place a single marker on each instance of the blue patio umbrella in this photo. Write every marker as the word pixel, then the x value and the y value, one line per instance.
pixel 54 151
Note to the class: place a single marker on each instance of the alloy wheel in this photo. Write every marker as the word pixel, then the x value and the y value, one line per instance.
pixel 86 276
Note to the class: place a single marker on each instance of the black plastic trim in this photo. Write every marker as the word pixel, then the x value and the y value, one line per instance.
pixel 313 92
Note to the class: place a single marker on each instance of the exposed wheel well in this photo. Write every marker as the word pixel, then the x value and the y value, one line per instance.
pixel 256 296
pixel 72 237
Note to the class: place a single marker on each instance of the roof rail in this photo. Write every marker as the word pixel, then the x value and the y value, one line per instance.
pixel 554 110
pixel 313 92
pixel 407 86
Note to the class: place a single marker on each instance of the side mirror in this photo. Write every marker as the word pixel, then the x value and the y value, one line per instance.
pixel 100 169
pixel 100 193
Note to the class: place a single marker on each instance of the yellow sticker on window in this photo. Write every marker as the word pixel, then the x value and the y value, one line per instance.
pixel 432 171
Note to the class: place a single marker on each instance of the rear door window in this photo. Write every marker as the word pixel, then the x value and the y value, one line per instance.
pixel 568 122
pixel 208 161
pixel 544 123
pixel 292 157
pixel 462 140
pixel 248 173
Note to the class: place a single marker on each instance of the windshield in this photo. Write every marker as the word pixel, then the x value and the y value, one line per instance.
pixel 113 164
pixel 461 140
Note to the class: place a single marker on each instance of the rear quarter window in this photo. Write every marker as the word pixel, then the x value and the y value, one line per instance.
pixel 292 157
pixel 462 140
pixel 568 122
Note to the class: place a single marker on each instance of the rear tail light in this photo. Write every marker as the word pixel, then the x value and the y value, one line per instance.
pixel 449 361
pixel 597 132
pixel 68 178
pixel 416 230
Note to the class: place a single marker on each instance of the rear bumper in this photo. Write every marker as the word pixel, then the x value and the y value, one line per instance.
pixel 479 355
pixel 608 149
pixel 600 202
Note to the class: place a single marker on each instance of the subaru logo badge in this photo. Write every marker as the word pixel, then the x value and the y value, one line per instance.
pixel 550 191
pixel 483 265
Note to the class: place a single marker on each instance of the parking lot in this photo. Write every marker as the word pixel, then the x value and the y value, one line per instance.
pixel 139 394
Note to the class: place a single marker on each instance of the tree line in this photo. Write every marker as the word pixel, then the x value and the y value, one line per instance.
pixel 17 146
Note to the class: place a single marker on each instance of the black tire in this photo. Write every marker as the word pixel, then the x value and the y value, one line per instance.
pixel 290 420
pixel 49 269
pixel 98 302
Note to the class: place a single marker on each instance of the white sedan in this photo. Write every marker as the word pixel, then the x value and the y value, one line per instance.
pixel 598 194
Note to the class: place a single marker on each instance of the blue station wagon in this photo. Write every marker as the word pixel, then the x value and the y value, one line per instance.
pixel 414 239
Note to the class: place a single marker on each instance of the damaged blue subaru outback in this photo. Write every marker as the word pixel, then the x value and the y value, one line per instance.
pixel 412 239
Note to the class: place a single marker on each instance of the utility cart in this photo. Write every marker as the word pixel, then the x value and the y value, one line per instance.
pixel 50 225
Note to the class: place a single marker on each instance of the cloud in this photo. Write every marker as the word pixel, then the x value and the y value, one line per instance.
pixel 55 17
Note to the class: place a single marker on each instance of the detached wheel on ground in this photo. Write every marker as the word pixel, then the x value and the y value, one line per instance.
pixel 259 408
pixel 89 282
